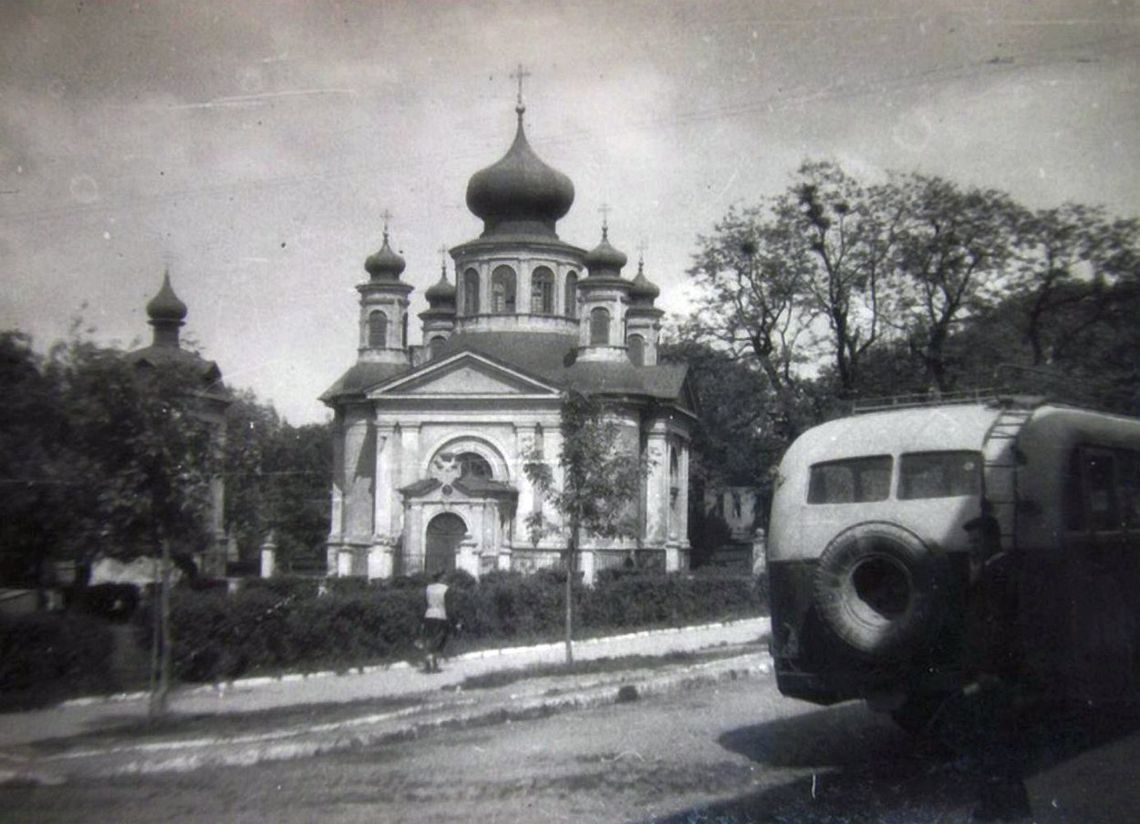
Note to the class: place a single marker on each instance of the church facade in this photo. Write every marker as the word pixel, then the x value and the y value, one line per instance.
pixel 430 441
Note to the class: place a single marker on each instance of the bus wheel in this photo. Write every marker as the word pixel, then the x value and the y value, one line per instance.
pixel 876 587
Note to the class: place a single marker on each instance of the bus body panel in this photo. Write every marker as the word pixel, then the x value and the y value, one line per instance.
pixel 1076 584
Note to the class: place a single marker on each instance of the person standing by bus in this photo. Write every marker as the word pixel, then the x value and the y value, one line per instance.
pixel 987 711
pixel 435 627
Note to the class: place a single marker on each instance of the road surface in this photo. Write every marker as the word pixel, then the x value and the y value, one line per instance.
pixel 738 752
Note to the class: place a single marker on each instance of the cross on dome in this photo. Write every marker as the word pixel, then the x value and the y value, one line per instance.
pixel 519 74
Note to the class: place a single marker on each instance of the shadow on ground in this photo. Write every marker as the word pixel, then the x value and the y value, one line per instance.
pixel 850 766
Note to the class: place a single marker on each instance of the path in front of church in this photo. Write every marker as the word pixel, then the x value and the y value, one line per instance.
pixel 261 719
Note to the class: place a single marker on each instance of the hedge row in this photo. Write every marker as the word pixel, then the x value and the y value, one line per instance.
pixel 284 624
pixel 50 651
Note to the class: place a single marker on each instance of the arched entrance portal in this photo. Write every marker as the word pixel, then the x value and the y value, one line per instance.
pixel 444 533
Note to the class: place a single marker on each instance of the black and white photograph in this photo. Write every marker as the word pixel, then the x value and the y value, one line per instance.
pixel 663 411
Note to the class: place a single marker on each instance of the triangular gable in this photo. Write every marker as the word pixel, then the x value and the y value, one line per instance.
pixel 687 397
pixel 465 375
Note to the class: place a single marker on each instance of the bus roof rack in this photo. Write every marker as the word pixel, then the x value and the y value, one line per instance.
pixel 992 397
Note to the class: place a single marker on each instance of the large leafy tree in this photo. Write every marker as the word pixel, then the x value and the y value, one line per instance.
pixel 751 302
pixel 595 488
pixel 35 477
pixel 952 254
pixel 1068 261
pixel 839 236
pixel 143 451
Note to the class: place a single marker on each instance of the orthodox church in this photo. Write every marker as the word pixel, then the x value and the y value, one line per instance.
pixel 430 441
pixel 166 314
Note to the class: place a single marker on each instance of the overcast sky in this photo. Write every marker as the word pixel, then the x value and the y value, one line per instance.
pixel 254 146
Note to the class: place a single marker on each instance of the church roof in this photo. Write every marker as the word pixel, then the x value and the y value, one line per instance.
pixel 205 372
pixel 543 356
pixel 551 358
pixel 360 377
pixel 540 354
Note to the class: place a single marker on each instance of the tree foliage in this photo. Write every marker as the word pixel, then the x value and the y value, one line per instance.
pixel 277 478
pixel 840 236
pixel 951 262
pixel 599 474
pixel 595 489
pixel 839 290
pixel 101 455
pixel 104 453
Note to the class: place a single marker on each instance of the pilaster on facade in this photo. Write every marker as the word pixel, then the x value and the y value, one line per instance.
pixel 683 506
pixel 387 467
pixel 657 484
pixel 360 445
pixel 381 560
pixel 336 493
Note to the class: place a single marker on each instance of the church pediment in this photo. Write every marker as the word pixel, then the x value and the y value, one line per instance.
pixel 459 490
pixel 465 375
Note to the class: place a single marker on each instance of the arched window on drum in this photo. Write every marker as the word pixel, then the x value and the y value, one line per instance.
pixel 471 292
pixel 503 290
pixel 599 326
pixel 635 345
pixel 542 291
pixel 570 308
pixel 377 329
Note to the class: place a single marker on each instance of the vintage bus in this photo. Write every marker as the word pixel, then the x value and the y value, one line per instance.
pixel 917 547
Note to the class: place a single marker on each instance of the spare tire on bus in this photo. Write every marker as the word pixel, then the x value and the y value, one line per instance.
pixel 878 588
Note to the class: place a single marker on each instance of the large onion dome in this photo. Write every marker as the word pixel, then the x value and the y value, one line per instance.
pixel 165 308
pixel 384 264
pixel 520 194
pixel 643 291
pixel 604 259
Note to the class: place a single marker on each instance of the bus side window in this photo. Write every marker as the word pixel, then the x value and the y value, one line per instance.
pixel 939 474
pixel 1098 476
pixel 855 480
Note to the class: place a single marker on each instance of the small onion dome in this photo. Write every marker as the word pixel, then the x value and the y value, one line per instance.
pixel 643 291
pixel 520 193
pixel 165 307
pixel 384 264
pixel 442 292
pixel 604 258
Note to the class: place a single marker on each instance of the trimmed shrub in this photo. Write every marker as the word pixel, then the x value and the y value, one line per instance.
pixel 271 627
pixel 114 602
pixel 49 650
pixel 298 586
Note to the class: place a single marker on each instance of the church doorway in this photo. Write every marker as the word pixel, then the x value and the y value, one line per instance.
pixel 444 534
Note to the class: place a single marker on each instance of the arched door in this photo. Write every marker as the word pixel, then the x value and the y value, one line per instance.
pixel 444 533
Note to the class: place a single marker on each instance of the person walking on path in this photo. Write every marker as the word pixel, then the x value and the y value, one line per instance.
pixel 436 627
